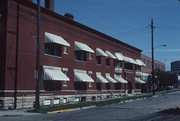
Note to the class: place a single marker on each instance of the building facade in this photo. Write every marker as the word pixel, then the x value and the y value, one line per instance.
pixel 146 70
pixel 175 67
pixel 78 63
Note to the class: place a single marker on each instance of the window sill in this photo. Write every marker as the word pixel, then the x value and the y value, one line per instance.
pixel 80 61
pixel 65 53
pixel 53 56
pixel 65 85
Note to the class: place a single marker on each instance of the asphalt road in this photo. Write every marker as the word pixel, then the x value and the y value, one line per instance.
pixel 140 110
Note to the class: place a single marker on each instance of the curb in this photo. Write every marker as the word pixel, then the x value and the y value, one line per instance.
pixel 61 111
pixel 72 109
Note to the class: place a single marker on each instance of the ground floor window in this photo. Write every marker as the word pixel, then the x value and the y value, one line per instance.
pixel 118 86
pixel 98 86
pixel 50 85
pixel 108 86
pixel 80 85
pixel 138 86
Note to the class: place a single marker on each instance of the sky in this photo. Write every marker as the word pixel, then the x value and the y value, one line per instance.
pixel 129 21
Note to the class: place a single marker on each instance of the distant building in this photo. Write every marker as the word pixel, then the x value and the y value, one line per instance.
pixel 175 67
pixel 146 70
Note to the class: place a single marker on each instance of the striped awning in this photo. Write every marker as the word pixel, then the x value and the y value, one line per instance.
pixel 130 60
pixel 54 73
pixel 82 76
pixel 119 79
pixel 100 78
pixel 100 52
pixel 119 56
pixel 110 79
pixel 140 63
pixel 52 38
pixel 110 55
pixel 138 80
pixel 83 47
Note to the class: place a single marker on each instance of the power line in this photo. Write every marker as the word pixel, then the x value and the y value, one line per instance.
pixel 88 18
pixel 129 32
pixel 99 14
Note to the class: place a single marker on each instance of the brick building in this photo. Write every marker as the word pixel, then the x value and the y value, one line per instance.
pixel 146 70
pixel 78 63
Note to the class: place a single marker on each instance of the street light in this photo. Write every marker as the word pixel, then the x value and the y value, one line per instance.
pixel 153 75
pixel 152 47
pixel 160 46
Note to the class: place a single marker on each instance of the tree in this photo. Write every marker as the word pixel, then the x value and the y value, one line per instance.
pixel 165 79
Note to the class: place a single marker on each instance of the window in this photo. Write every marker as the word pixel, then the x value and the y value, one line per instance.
pixel 98 59
pixel 117 63
pixel 81 55
pixel 128 66
pixel 50 85
pixel 108 62
pixel 65 50
pixel 53 49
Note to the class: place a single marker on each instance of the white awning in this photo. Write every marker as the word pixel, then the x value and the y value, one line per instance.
pixel 52 38
pixel 110 79
pixel 83 47
pixel 140 63
pixel 100 52
pixel 138 80
pixel 130 60
pixel 119 56
pixel 82 76
pixel 119 79
pixel 100 78
pixel 54 73
pixel 110 55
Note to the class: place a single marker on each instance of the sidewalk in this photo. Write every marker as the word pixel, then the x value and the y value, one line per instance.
pixel 23 112
pixel 6 113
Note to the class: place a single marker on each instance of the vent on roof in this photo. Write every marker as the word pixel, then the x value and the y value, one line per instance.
pixel 69 16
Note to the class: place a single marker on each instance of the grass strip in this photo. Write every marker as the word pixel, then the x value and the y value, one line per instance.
pixel 46 109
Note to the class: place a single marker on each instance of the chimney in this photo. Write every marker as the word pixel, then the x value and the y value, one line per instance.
pixel 49 4
pixel 69 16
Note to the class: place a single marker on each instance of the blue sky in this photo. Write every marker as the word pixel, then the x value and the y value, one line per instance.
pixel 129 20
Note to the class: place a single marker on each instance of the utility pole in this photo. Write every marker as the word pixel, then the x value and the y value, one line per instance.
pixel 17 55
pixel 38 68
pixel 152 45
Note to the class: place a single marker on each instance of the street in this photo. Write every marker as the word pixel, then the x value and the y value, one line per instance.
pixel 140 110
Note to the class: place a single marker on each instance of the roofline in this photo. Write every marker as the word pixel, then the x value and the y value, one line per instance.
pixel 72 22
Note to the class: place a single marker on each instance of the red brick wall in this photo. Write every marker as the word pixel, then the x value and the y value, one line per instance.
pixel 148 68
pixel 27 49
pixel 3 24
